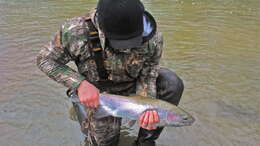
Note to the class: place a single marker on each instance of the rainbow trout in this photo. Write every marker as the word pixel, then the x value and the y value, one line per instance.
pixel 131 107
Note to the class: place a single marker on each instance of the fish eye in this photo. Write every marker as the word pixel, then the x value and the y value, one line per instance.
pixel 185 118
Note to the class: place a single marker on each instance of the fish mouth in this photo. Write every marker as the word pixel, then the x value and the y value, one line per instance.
pixel 179 120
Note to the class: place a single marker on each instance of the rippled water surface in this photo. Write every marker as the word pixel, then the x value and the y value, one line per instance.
pixel 214 45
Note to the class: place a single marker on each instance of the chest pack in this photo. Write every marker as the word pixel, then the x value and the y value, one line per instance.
pixel 96 49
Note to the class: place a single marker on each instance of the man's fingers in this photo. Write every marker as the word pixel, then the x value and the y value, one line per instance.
pixel 151 118
pixel 146 119
pixel 95 100
pixel 149 127
pixel 96 104
pixel 83 101
pixel 90 104
pixel 156 117
pixel 141 119
pixel 86 103
pixel 91 101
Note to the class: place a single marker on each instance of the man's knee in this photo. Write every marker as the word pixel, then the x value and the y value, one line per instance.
pixel 103 132
pixel 169 86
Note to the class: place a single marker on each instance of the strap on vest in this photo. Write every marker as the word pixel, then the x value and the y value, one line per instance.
pixel 96 49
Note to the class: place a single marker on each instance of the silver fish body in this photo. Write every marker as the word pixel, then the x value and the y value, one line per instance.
pixel 131 107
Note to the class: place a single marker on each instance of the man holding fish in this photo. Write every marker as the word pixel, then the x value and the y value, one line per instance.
pixel 117 50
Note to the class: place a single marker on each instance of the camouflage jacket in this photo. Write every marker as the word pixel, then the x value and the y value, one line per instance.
pixel 129 65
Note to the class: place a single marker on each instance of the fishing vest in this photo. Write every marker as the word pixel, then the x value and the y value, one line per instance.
pixel 95 47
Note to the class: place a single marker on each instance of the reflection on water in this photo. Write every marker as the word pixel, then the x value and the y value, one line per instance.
pixel 213 45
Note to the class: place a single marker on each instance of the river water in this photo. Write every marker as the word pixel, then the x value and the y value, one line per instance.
pixel 214 45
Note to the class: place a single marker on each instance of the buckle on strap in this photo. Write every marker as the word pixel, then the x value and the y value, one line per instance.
pixel 96 49
pixel 93 35
pixel 93 32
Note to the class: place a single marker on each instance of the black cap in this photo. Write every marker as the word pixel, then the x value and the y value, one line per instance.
pixel 122 22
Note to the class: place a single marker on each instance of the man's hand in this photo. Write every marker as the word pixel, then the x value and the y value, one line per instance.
pixel 88 94
pixel 148 119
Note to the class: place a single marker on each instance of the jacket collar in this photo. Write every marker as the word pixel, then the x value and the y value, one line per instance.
pixel 100 32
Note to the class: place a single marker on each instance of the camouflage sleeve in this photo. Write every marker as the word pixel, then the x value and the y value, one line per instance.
pixel 146 84
pixel 52 60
